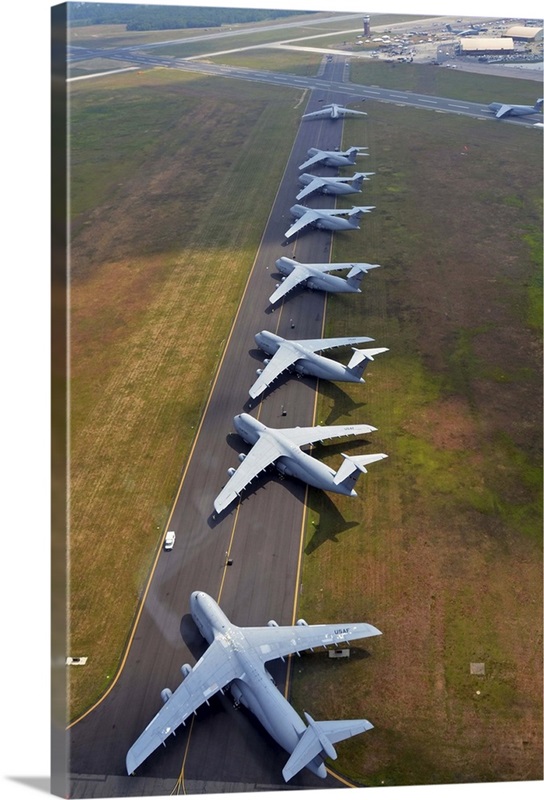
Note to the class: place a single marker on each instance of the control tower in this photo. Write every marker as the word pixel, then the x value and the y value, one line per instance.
pixel 366 25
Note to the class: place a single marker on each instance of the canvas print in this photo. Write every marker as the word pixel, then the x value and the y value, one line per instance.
pixel 297 386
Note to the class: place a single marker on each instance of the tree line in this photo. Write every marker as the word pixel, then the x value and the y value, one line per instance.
pixel 152 18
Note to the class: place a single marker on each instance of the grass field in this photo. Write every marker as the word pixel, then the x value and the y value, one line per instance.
pixel 161 194
pixel 442 550
pixel 440 82
pixel 291 61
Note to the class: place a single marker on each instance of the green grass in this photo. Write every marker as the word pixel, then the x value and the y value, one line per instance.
pixel 432 80
pixel 290 61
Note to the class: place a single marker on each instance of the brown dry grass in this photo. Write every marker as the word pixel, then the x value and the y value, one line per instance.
pixel 160 232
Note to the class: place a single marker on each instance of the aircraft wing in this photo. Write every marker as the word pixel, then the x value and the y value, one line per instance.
pixel 313 186
pixel 302 222
pixel 315 159
pixel 297 276
pixel 327 344
pixel 276 642
pixel 350 112
pixel 318 433
pixel 263 453
pixel 282 359
pixel 351 265
pixel 323 112
pixel 503 111
pixel 209 675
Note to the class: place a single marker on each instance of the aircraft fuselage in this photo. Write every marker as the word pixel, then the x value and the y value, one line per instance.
pixel 516 111
pixel 309 363
pixel 338 159
pixel 327 222
pixel 322 281
pixel 293 462
pixel 334 186
pixel 257 691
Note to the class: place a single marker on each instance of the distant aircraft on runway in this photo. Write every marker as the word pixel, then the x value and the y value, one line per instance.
pixel 505 110
pixel 281 447
pixel 330 219
pixel 315 276
pixel 333 158
pixel 236 658
pixel 317 183
pixel 302 357
pixel 473 30
pixel 334 111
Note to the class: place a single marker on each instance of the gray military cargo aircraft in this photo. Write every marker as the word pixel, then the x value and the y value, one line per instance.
pixel 281 447
pixel 302 357
pixel 315 276
pixel 329 219
pixel 504 110
pixel 318 183
pixel 333 158
pixel 236 658
pixel 334 111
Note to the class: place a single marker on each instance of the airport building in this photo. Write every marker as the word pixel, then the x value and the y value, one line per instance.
pixel 521 33
pixel 480 46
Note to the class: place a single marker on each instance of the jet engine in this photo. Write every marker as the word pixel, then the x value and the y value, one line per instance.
pixel 259 371
pixel 302 622
pixel 231 471
pixel 166 694
pixel 186 669
pixel 272 623
pixel 266 361
pixel 282 469
pixel 239 698
pixel 241 456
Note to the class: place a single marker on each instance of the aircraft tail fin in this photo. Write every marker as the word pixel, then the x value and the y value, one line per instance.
pixel 355 277
pixel 356 273
pixel 362 358
pixel 352 467
pixel 357 211
pixel 358 179
pixel 538 104
pixel 317 742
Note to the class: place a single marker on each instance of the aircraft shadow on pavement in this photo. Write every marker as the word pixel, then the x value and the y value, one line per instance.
pixel 331 524
pixel 192 637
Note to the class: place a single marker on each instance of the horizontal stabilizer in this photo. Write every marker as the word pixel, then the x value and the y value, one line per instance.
pixel 356 211
pixel 365 355
pixel 318 740
pixel 354 465
pixel 357 269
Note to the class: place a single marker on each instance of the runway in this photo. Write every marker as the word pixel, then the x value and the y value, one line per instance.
pixel 222 748
pixel 338 83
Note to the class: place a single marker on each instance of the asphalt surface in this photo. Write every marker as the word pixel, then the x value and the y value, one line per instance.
pixel 222 748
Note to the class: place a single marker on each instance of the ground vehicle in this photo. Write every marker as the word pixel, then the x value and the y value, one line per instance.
pixel 169 540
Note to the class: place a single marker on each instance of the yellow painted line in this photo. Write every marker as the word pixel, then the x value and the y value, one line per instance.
pixel 227 555
pixel 181 779
pixel 342 780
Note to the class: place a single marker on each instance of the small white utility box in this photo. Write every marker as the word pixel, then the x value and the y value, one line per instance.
pixel 339 653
